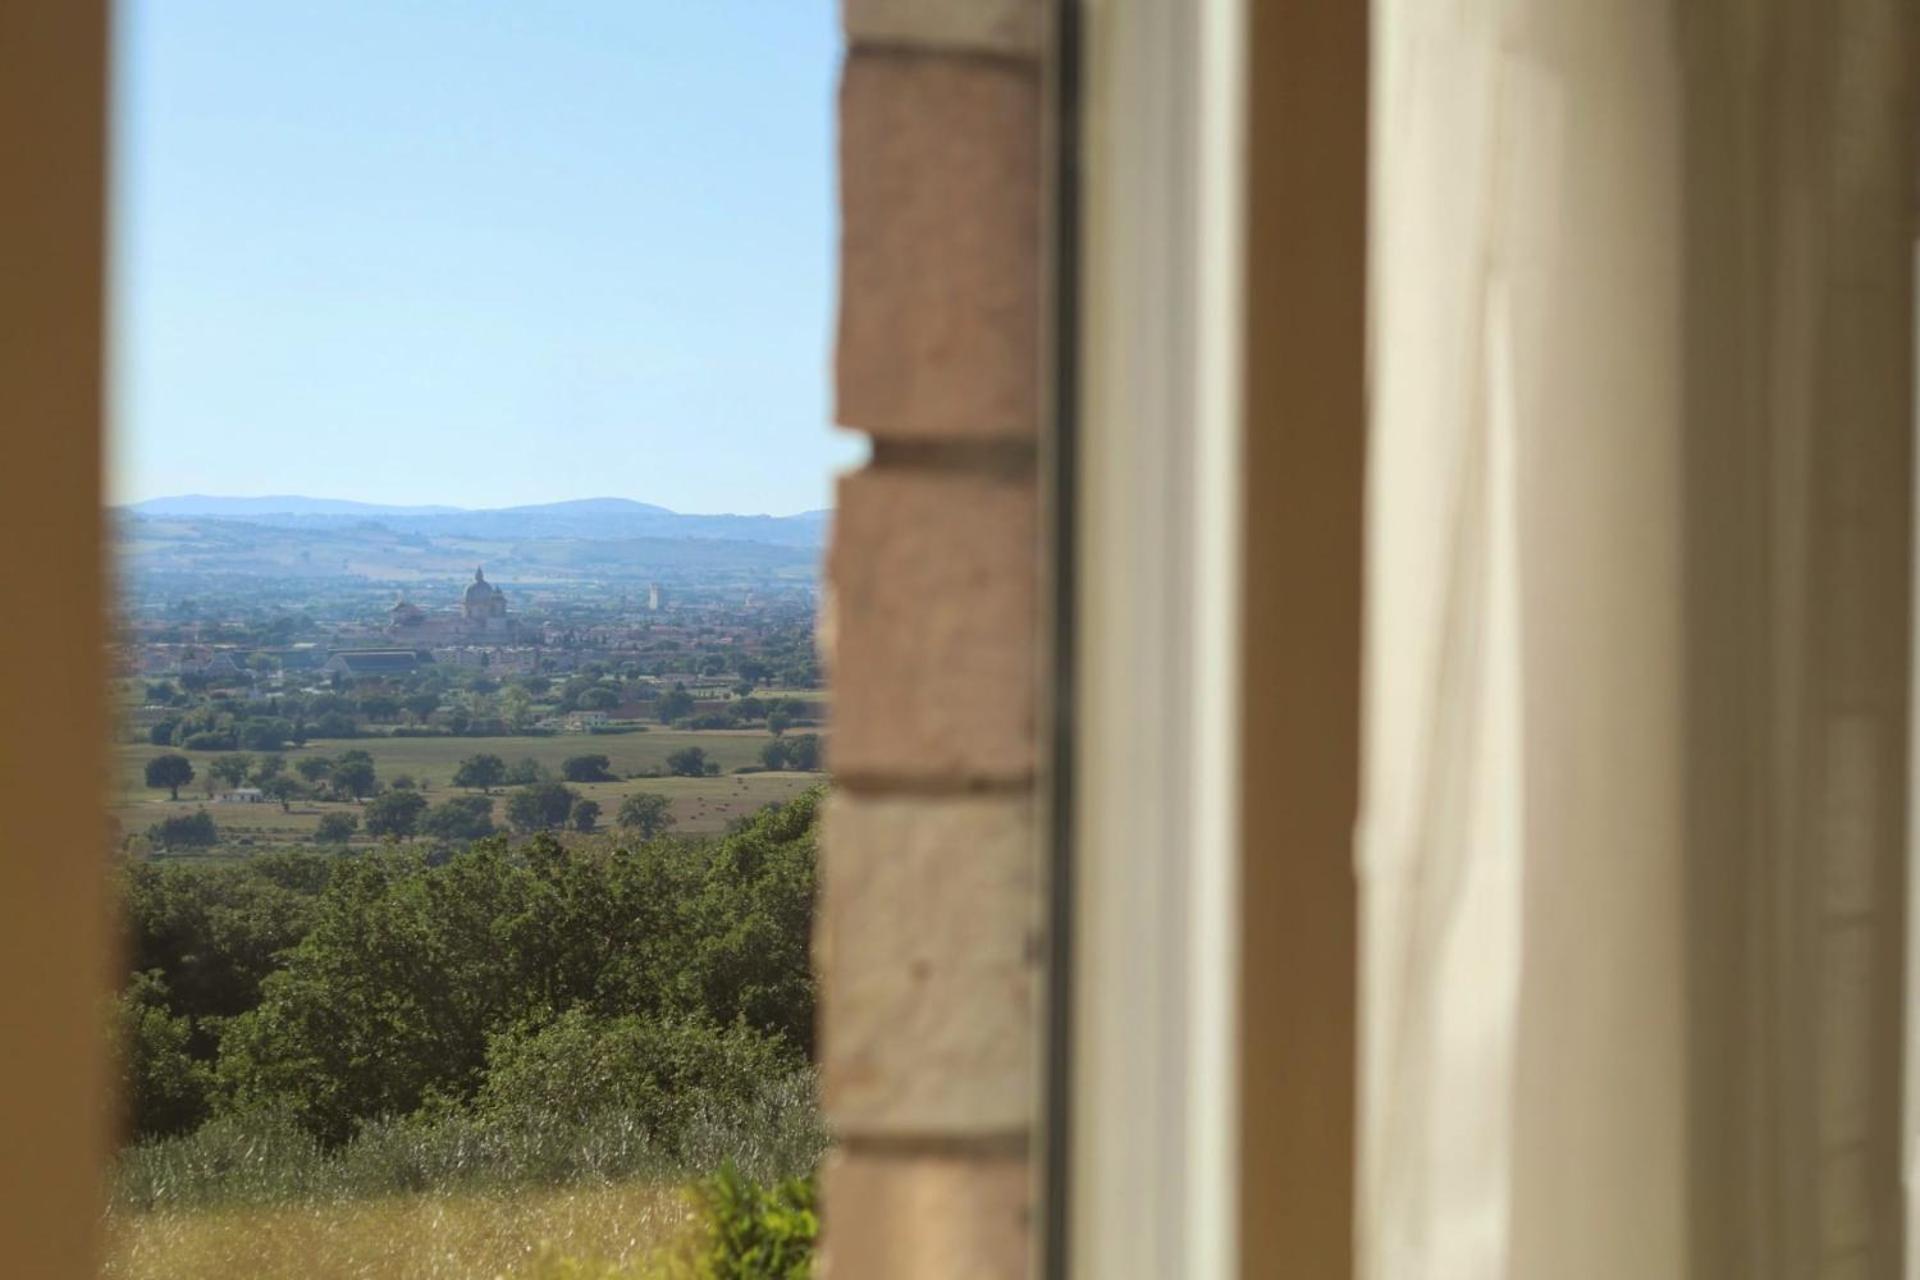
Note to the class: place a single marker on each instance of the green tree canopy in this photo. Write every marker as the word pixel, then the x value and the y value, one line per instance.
pixel 484 771
pixel 336 828
pixel 688 762
pixel 541 806
pixel 188 831
pixel 352 774
pixel 395 813
pixel 460 818
pixel 588 768
pixel 645 812
pixel 172 771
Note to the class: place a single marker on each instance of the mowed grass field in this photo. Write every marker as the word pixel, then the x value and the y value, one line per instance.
pixel 700 806
pixel 574 1233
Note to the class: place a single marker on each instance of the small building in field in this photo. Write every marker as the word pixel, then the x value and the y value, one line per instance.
pixel 241 795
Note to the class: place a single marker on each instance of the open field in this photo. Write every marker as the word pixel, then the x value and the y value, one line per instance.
pixel 700 806
pixel 576 1233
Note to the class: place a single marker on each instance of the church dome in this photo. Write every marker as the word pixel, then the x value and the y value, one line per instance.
pixel 480 591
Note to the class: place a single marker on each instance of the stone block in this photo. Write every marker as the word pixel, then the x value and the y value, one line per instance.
pixel 926 1216
pixel 927 949
pixel 934 582
pixel 940 262
pixel 1010 28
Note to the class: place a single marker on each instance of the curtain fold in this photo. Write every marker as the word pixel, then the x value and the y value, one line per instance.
pixel 1633 843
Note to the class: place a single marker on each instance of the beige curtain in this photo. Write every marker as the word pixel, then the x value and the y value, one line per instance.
pixel 1634 826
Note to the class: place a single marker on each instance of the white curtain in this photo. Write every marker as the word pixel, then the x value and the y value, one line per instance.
pixel 1640 480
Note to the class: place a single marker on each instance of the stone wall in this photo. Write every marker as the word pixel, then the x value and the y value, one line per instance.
pixel 928 939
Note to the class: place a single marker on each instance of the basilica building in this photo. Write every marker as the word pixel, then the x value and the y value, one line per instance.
pixel 483 618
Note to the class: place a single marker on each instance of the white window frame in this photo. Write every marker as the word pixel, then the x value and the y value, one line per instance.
pixel 1152 1168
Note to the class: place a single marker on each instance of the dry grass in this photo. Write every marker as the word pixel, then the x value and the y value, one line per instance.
pixel 623 1232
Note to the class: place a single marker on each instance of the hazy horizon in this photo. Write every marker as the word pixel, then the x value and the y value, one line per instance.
pixel 425 506
pixel 438 255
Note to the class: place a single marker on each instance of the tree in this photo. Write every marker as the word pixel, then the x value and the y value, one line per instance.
pixel 598 698
pixel 526 771
pixel 645 812
pixel 459 818
pixel 586 769
pixel 774 754
pixel 171 771
pixel 541 806
pixel 284 789
pixel 395 813
pixel 313 769
pixel 334 724
pixel 676 704
pixel 688 762
pixel 161 734
pixel 163 1086
pixel 778 720
pixel 585 815
pixel 189 831
pixel 421 981
pixel 268 734
pixel 352 774
pixel 231 770
pixel 336 828
pixel 516 708
pixel 267 768
pixel 483 771
pixel 379 706
pixel 803 753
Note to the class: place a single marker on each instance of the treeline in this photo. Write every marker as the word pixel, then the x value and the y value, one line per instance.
pixel 660 987
pixel 443 701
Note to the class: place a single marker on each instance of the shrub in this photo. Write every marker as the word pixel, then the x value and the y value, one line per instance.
pixel 660 1072
pixel 593 768
pixel 688 762
pixel 265 1157
pixel 192 831
pixel 585 815
pixel 461 818
pixel 336 828
pixel 525 772
pixel 395 813
pixel 756 1232
pixel 270 734
pixel 334 724
pixel 542 806
pixel 804 754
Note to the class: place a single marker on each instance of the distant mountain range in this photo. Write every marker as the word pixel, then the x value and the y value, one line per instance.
pixel 590 519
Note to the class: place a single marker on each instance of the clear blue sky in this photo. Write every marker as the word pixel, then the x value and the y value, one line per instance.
pixel 477 252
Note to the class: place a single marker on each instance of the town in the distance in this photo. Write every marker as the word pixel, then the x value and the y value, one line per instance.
pixel 302 672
